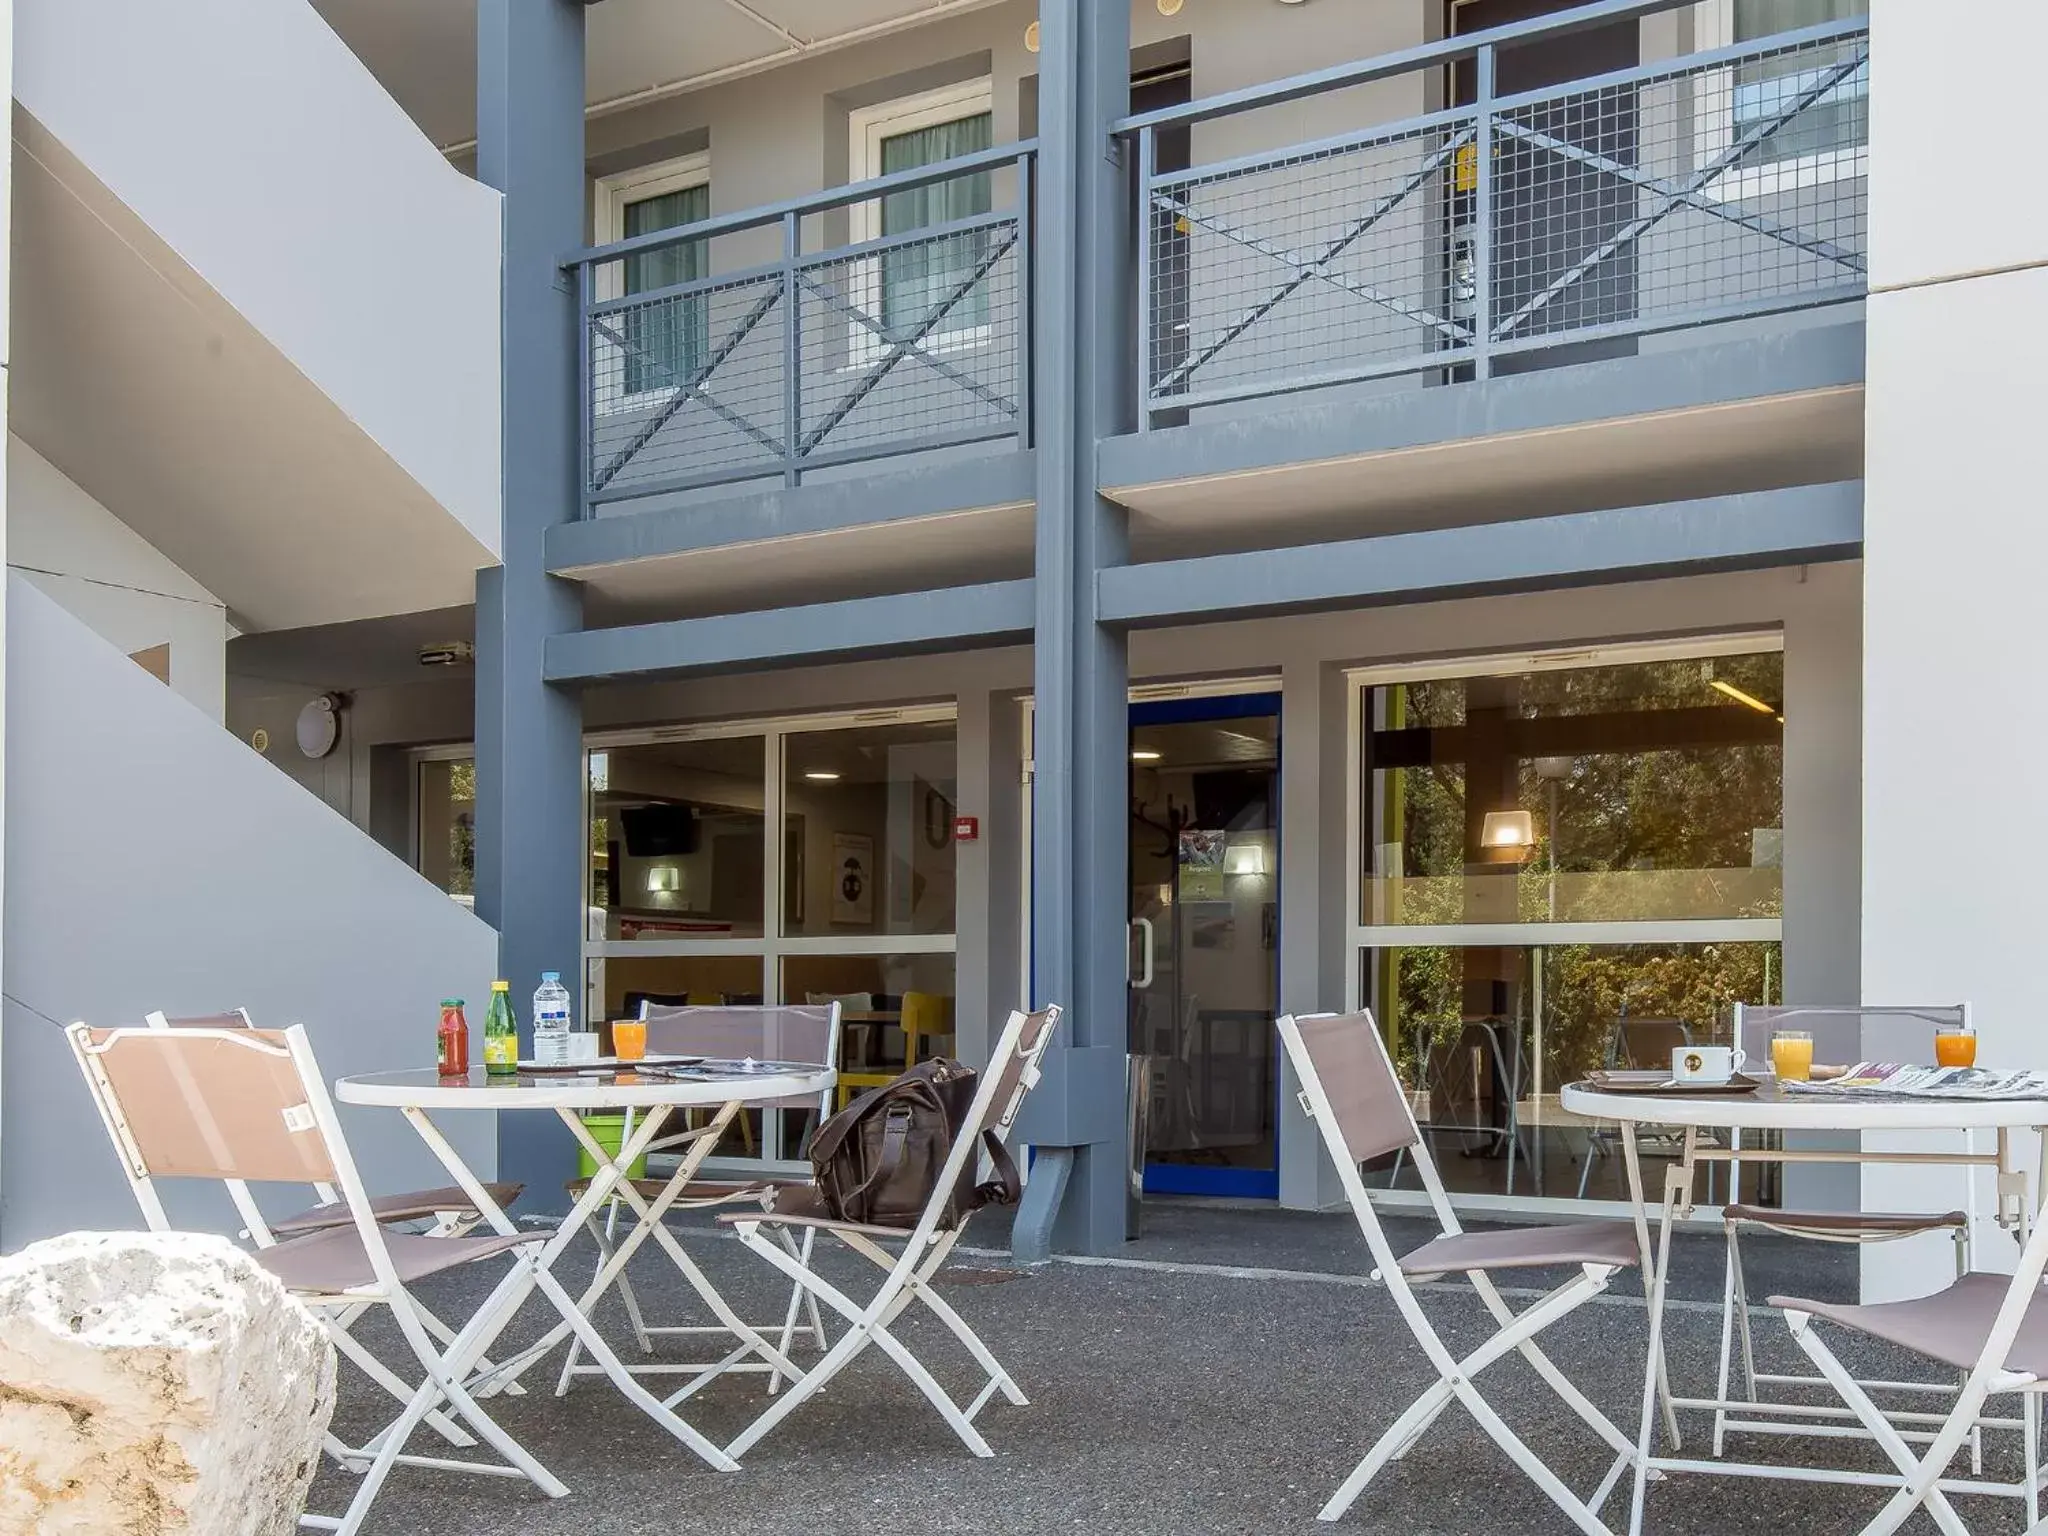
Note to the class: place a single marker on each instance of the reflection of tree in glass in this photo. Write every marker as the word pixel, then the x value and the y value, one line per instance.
pixel 1691 809
pixel 462 829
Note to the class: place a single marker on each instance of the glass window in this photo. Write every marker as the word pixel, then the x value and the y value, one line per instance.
pixel 665 340
pixel 919 279
pixel 446 834
pixel 869 845
pixel 1640 792
pixel 1486 1034
pixel 1772 87
pixel 676 832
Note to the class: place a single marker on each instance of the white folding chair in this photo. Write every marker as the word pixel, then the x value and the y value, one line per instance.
pixel 907 1276
pixel 450 1211
pixel 1843 1035
pixel 1991 1327
pixel 1351 1091
pixel 247 1106
pixel 733 1032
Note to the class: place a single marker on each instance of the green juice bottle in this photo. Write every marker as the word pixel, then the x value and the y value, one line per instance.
pixel 501 1033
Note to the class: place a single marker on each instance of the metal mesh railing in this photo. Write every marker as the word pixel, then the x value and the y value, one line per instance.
pixel 909 343
pixel 1688 192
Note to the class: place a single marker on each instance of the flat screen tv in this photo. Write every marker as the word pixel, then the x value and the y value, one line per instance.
pixel 659 831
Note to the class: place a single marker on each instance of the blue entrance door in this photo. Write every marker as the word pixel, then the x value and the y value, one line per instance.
pixel 1205 940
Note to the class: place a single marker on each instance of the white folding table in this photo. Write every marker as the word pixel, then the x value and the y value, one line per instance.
pixel 1771 1109
pixel 721 1087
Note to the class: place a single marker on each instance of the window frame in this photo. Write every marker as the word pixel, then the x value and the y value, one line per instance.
pixel 868 129
pixel 1714 128
pixel 610 198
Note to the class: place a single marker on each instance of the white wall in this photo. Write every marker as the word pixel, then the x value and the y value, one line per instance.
pixel 152 861
pixel 1954 543
pixel 111 577
pixel 255 144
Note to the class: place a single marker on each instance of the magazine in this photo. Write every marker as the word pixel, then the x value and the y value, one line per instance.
pixel 1896 1080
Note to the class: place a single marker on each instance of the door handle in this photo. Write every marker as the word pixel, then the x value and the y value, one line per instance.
pixel 1144 977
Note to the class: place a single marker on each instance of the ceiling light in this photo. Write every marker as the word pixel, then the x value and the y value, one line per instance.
pixel 1170 7
pixel 822 776
pixel 1031 38
pixel 1144 755
pixel 1740 697
pixel 1508 829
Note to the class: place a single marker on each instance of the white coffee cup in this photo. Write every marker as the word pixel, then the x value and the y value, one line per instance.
pixel 1705 1063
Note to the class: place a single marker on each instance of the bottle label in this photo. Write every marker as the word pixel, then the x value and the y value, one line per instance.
pixel 501 1050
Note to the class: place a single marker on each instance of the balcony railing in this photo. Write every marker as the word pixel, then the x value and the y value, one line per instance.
pixel 1685 192
pixel 776 343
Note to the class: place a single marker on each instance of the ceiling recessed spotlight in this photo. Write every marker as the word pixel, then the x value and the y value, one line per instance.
pixel 821 776
pixel 1144 755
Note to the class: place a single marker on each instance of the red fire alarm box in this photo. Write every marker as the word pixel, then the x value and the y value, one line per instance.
pixel 966 829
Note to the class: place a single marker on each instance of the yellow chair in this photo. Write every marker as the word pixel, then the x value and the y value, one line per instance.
pixel 927 1026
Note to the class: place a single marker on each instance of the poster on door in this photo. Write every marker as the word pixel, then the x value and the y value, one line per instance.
pixel 853 878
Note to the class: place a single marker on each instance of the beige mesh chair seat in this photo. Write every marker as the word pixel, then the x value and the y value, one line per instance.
pixel 242 1106
pixel 451 1208
pixel 450 1205
pixel 1951 1326
pixel 733 1032
pixel 800 1205
pixel 1351 1091
pixel 334 1260
pixel 1589 1242
pixel 906 1275
pixel 1825 1225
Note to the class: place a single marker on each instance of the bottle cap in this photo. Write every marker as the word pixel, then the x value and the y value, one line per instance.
pixel 501 986
pixel 550 975
pixel 451 1002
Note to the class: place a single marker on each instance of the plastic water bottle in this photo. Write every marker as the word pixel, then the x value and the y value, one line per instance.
pixel 551 1021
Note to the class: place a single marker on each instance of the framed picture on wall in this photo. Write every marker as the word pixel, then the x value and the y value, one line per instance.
pixel 853 878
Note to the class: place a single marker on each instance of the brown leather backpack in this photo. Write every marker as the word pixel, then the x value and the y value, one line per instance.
pixel 877 1161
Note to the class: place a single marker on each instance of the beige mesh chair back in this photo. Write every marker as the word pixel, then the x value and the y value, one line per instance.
pixel 1841 1036
pixel 807 1032
pixel 449 1209
pixel 1014 1065
pixel 1993 1328
pixel 1350 1089
pixel 801 1032
pixel 248 1106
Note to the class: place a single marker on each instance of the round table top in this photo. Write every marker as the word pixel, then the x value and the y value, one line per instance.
pixel 721 1082
pixel 1769 1108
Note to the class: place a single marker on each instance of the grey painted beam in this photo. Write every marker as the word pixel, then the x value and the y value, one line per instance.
pixel 987 480
pixel 1719 533
pixel 951 618
pixel 1081 724
pixel 531 837
pixel 1314 428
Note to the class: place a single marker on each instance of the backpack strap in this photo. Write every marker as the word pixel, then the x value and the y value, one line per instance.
pixel 1006 1188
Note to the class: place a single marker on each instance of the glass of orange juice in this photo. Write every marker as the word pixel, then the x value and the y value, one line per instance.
pixel 1792 1055
pixel 629 1039
pixel 1955 1045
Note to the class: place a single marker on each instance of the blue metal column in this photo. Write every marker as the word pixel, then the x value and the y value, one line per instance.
pixel 530 832
pixel 1080 746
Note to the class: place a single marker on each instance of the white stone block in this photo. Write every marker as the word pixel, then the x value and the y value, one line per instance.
pixel 152 1384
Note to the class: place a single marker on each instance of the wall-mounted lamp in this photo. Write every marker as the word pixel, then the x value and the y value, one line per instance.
pixel 1031 38
pixel 664 879
pixel 821 776
pixel 1144 755
pixel 1508 831
pixel 1245 859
